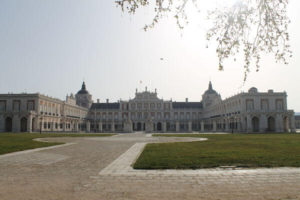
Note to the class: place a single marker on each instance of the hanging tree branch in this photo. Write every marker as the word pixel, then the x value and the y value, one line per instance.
pixel 253 26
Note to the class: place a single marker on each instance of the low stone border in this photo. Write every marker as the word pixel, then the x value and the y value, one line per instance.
pixel 122 166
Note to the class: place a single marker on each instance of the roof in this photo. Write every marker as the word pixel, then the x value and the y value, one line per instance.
pixel 105 106
pixel 188 105
pixel 83 89
pixel 210 89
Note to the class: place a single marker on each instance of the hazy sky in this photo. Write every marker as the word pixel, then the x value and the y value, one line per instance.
pixel 52 46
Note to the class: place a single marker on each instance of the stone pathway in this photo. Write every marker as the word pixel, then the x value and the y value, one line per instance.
pixel 99 168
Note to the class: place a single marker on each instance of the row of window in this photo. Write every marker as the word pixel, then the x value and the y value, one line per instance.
pixel 49 107
pixel 235 106
pixel 264 104
pixel 146 115
pixel 152 106
pixel 17 105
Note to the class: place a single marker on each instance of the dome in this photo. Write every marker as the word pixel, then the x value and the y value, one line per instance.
pixel 253 90
pixel 83 89
pixel 210 89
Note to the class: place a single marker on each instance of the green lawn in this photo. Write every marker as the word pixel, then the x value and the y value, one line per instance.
pixel 11 142
pixel 244 150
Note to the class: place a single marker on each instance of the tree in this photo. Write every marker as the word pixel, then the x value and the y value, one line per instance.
pixel 251 26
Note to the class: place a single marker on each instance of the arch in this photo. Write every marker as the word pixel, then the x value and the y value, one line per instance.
pixel 168 126
pixel 159 126
pixel 8 124
pixel 139 126
pixel 271 123
pixel 255 124
pixel 23 124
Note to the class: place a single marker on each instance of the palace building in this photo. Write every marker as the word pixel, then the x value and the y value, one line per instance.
pixel 248 112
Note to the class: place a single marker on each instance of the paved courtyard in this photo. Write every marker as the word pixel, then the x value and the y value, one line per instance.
pixel 99 168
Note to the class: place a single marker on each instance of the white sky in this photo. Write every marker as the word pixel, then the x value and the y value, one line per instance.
pixel 51 46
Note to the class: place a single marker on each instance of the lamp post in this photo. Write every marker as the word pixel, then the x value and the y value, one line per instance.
pixel 41 123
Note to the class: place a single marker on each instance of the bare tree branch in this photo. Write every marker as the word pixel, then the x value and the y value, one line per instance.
pixel 253 26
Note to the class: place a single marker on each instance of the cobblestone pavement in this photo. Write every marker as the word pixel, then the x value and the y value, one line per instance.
pixel 99 168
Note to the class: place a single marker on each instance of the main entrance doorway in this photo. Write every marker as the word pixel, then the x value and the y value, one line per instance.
pixel 139 126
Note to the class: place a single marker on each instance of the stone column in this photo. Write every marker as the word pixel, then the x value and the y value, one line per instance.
pixel 202 126
pixel 113 126
pixel 190 126
pixel 64 126
pixel 52 126
pixel 16 124
pixel 239 125
pixel 164 127
pixel 29 124
pixel 2 123
pixel 88 126
pixel 100 126
pixel 41 124
pixel 279 123
pixel 76 126
pixel 214 126
pixel 263 123
pixel 292 126
pixel 249 124
pixel 177 126
pixel 227 125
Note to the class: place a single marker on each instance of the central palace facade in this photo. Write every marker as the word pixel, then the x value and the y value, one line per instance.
pixel 251 111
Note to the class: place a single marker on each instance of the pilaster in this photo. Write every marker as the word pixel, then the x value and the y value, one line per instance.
pixel 214 126
pixel 88 126
pixel 202 126
pixel 177 126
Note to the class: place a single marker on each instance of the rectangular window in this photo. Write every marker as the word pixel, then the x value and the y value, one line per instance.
pixel 181 115
pixel 158 115
pixel 139 115
pixel 2 105
pixel 279 104
pixel 133 106
pixel 146 106
pixel 139 105
pixel 16 105
pixel 264 104
pixel 152 106
pixel 159 106
pixel 132 115
pixel 30 105
pixel 167 115
pixel 145 115
pixel 187 116
pixel 249 104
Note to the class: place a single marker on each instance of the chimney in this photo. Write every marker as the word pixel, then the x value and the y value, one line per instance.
pixel 98 100
pixel 186 100
pixel 107 100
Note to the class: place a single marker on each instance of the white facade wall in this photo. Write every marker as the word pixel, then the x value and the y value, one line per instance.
pixel 252 111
